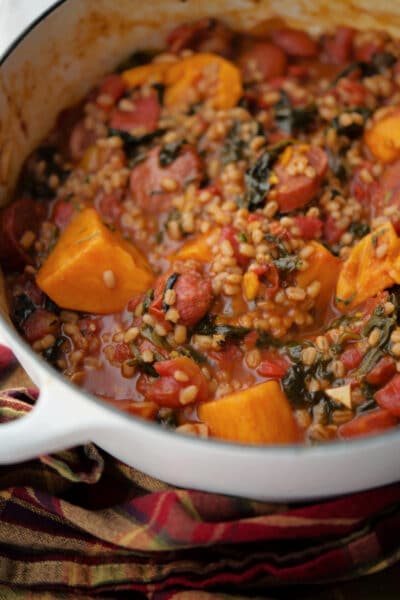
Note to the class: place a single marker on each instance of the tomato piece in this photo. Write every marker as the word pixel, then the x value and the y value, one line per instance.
pixel 339 47
pixel 382 371
pixel 63 211
pixel 375 421
pixel 310 227
pixel 389 396
pixel 295 42
pixel 166 390
pixel 231 234
pixel 273 368
pixel 331 231
pixel 121 352
pixel 351 358
pixel 228 357
pixel 262 61
pixel 386 193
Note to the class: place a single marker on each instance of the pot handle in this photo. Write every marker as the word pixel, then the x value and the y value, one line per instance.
pixel 58 420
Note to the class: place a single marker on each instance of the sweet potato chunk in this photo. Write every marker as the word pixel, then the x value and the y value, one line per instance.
pixel 92 268
pixel 151 73
pixel 383 139
pixel 323 267
pixel 199 248
pixel 224 78
pixel 259 415
pixel 373 265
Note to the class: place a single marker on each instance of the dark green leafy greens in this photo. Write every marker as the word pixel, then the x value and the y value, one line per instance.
pixel 257 176
pixel 172 279
pixel 170 152
pixel 132 143
pixel 354 129
pixel 290 119
pixel 230 333
pixel 234 146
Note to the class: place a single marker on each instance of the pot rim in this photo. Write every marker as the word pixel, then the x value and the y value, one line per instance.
pixel 333 447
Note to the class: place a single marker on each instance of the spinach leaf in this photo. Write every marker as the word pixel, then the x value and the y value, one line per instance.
pixel 192 353
pixel 231 333
pixel 150 334
pixel 265 340
pixel 287 264
pixel 148 299
pixel 233 148
pixel 290 119
pixel 257 177
pixel 359 229
pixel 366 70
pixel 383 60
pixel 169 152
pixel 278 243
pixel 132 142
pixel 353 130
pixel 51 354
pixel 136 59
pixel 22 307
pixel 172 279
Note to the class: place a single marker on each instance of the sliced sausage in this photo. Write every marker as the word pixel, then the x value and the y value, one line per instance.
pixel 193 297
pixel 310 227
pixel 384 370
pixel 40 323
pixel 145 115
pixel 22 215
pixel 109 205
pixel 206 35
pixel 80 140
pixel 386 195
pixel 389 396
pixel 63 212
pixel 295 42
pixel 262 61
pixel 295 191
pixel 372 422
pixel 146 182
pixel 339 47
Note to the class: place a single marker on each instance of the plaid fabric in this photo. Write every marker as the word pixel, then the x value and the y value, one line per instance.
pixel 81 524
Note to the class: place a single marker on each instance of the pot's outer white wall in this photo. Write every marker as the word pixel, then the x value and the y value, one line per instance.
pixel 52 68
pixel 81 40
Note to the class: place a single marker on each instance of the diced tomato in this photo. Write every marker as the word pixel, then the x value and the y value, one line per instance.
pixel 300 71
pixel 361 190
pixel 310 227
pixel 228 357
pixel 40 323
pixel 331 231
pixel 339 47
pixel 351 358
pixel 121 352
pixel 389 396
pixel 263 59
pixel 166 390
pixel 350 92
pixel 205 35
pixel 295 42
pixel 382 371
pixel 273 368
pixel 386 193
pixel 231 234
pixel 375 421
pixel 366 51
pixel 145 115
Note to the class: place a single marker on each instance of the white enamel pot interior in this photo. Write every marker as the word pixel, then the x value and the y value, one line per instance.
pixel 50 67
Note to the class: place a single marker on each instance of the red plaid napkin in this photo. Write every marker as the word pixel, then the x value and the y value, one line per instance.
pixel 81 524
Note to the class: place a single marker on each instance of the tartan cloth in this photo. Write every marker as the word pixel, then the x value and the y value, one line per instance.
pixel 80 524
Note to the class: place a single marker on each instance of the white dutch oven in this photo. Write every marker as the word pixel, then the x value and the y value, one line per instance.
pixel 50 66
